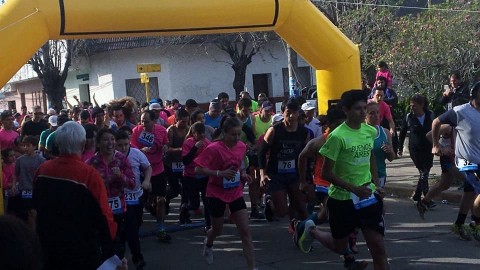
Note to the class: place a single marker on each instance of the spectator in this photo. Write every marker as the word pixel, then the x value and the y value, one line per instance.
pixel 457 89
pixel 383 71
pixel 36 126
pixel 312 122
pixel 7 132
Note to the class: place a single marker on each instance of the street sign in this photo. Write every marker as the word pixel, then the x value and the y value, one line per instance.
pixel 144 78
pixel 142 68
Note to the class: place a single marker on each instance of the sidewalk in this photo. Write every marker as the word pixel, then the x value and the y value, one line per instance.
pixel 402 178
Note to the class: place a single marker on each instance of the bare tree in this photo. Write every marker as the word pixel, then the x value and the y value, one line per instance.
pixel 241 48
pixel 51 63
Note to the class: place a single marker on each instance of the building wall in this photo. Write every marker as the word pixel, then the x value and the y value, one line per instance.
pixel 188 71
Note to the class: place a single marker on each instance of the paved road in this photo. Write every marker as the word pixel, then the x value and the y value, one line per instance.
pixel 411 244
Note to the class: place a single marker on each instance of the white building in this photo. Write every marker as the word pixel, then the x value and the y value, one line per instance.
pixel 198 71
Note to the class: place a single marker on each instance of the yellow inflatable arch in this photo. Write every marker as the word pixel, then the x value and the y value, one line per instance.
pixel 25 25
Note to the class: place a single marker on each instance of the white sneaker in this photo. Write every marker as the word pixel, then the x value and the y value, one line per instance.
pixel 207 252
pixel 306 240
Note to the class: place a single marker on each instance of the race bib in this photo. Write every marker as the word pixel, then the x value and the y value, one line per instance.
pixel 321 189
pixel 26 194
pixel 231 183
pixel 131 198
pixel 464 165
pixel 177 167
pixel 359 204
pixel 116 205
pixel 146 138
pixel 286 166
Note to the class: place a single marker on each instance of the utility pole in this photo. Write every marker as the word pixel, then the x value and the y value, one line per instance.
pixel 292 71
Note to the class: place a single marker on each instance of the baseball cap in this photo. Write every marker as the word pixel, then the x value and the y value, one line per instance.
pixel 307 106
pixel 155 106
pixel 267 105
pixel 277 118
pixel 51 111
pixel 53 120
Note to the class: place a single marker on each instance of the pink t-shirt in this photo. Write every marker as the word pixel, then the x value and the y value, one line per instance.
pixel 217 156
pixel 156 140
pixel 7 138
pixel 189 169
pixel 8 169
pixel 87 154
pixel 383 111
pixel 387 75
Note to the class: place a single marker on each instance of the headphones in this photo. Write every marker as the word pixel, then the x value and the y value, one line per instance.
pixel 474 90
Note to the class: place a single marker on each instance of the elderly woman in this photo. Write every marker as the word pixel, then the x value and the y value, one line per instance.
pixel 74 223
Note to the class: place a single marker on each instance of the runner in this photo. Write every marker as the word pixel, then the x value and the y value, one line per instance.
pixel 354 201
pixel 466 120
pixel 199 116
pixel 116 172
pixel 173 162
pixel 152 140
pixel 213 117
pixel 279 173
pixel 134 197
pixel 192 183
pixel 222 162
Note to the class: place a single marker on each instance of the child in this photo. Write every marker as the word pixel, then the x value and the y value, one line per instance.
pixel 8 168
pixel 383 71
pixel 20 201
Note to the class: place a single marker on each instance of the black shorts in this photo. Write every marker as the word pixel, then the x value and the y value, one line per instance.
pixel 446 162
pixel 321 193
pixel 344 218
pixel 159 185
pixel 280 182
pixel 216 207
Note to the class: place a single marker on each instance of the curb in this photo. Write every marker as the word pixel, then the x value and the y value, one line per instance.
pixel 451 196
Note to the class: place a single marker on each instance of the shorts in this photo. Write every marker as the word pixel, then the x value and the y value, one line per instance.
pixel 280 182
pixel 344 218
pixel 471 181
pixel 253 160
pixel 216 207
pixel 159 185
pixel 446 162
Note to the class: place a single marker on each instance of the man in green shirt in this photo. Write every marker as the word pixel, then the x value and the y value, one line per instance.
pixel 355 200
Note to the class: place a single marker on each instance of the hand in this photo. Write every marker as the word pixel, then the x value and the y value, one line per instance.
pixel 116 171
pixel 362 191
pixel 264 180
pixel 75 97
pixel 437 150
pixel 146 149
pixel 199 144
pixel 147 185
pixel 228 173
pixel 93 96
pixel 392 131
pixel 387 148
pixel 380 191
pixel 246 178
pixel 65 98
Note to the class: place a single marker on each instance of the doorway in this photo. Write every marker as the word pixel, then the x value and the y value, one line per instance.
pixel 262 83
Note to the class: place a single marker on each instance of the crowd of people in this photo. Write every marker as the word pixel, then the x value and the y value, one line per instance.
pixel 92 170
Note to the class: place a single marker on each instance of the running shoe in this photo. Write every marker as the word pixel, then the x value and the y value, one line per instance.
pixel 298 227
pixel 207 252
pixel 475 231
pixel 268 208
pixel 184 216
pixel 162 236
pixel 255 214
pixel 430 205
pixel 356 265
pixel 421 208
pixel 306 240
pixel 461 231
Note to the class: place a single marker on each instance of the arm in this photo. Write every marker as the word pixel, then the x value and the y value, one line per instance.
pixel 373 170
pixel 310 150
pixel 95 101
pixel 188 158
pixel 388 148
pixel 403 134
pixel 80 105
pixel 262 153
pixel 436 124
pixel 68 103
pixel 147 175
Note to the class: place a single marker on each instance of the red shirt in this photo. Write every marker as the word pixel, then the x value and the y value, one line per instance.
pixel 72 168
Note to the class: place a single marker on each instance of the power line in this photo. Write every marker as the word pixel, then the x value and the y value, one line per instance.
pixel 397 6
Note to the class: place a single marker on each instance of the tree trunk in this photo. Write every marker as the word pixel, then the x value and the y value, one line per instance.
pixel 239 79
pixel 55 97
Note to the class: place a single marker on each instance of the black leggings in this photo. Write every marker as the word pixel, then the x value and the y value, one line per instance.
pixel 191 187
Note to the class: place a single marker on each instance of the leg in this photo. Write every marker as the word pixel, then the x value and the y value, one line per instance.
pixel 298 200
pixel 241 220
pixel 133 221
pixel 279 203
pixel 376 246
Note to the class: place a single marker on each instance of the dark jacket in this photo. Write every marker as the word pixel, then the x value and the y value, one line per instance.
pixel 460 92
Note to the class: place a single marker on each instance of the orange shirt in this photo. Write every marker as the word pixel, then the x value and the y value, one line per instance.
pixel 317 174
